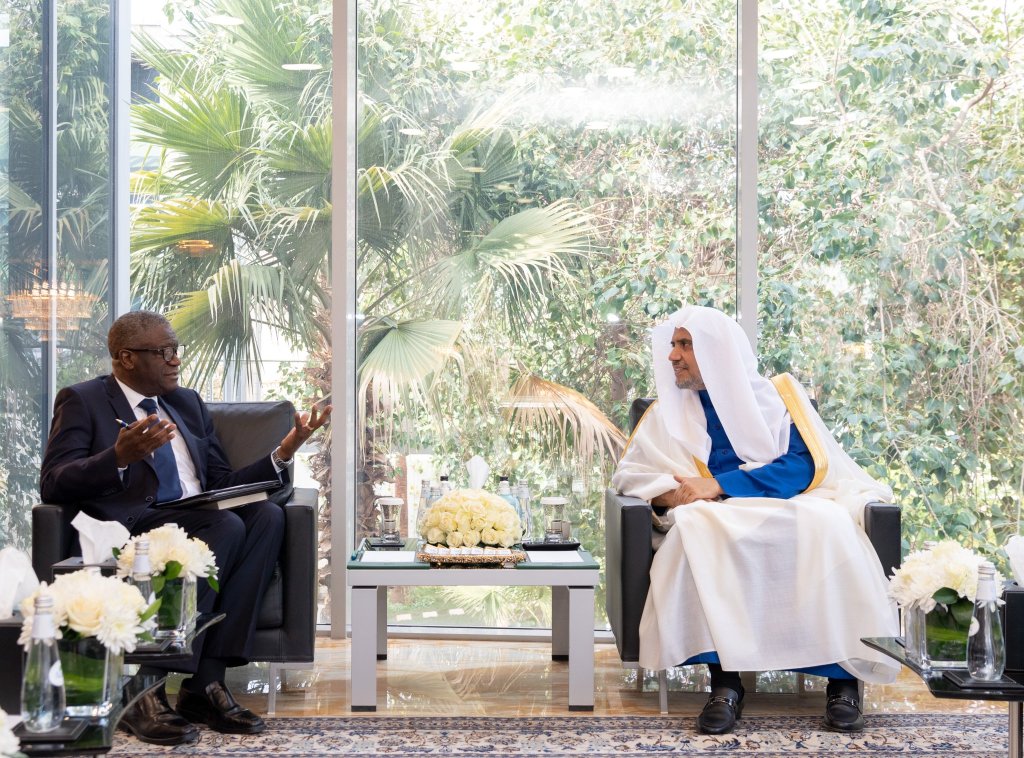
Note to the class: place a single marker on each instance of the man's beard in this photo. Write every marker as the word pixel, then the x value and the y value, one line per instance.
pixel 690 384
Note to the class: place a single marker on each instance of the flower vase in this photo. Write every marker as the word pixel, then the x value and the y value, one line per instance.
pixel 177 615
pixel 913 637
pixel 92 676
pixel 945 634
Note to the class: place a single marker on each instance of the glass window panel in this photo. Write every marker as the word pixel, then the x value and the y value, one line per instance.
pixel 231 212
pixel 84 192
pixel 22 251
pixel 538 182
pixel 55 304
pixel 891 264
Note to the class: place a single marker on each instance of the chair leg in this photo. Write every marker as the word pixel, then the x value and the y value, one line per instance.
pixel 663 692
pixel 273 674
pixel 749 681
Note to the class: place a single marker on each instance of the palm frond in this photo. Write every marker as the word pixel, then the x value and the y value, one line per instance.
pixel 516 265
pixel 219 323
pixel 256 51
pixel 561 419
pixel 212 135
pixel 173 65
pixel 400 357
pixel 300 156
pixel 166 223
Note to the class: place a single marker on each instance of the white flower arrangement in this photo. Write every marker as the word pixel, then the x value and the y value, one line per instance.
pixel 468 517
pixel 87 604
pixel 172 555
pixel 9 745
pixel 941 575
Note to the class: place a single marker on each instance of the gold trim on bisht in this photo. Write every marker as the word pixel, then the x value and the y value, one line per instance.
pixel 636 429
pixel 785 385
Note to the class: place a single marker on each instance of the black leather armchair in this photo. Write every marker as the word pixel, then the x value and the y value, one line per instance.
pixel 628 554
pixel 286 626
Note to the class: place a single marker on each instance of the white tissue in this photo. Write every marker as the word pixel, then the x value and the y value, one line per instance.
pixel 19 580
pixel 1015 549
pixel 99 538
pixel 478 472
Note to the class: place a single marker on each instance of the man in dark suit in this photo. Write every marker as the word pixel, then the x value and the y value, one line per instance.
pixel 116 471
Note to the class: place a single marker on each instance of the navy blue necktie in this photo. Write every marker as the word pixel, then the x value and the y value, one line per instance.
pixel 163 462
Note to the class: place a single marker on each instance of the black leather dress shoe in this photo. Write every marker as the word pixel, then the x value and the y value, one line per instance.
pixel 724 706
pixel 216 707
pixel 842 709
pixel 151 719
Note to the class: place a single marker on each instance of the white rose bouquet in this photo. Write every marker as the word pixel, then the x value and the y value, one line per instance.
pixel 9 744
pixel 469 518
pixel 939 576
pixel 87 604
pixel 172 555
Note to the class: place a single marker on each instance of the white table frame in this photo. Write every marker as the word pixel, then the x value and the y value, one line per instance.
pixel 572 618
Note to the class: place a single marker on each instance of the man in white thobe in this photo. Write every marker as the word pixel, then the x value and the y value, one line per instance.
pixel 765 564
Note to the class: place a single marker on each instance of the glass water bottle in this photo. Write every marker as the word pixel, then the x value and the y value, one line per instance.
pixel 522 493
pixel 423 507
pixel 505 493
pixel 986 654
pixel 142 572
pixel 42 689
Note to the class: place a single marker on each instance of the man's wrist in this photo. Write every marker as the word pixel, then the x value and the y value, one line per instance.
pixel 279 460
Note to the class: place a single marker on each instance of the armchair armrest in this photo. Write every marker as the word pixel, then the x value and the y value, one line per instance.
pixel 628 556
pixel 53 537
pixel 882 525
pixel 294 640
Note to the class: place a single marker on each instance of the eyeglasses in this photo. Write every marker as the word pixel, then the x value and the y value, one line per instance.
pixel 168 353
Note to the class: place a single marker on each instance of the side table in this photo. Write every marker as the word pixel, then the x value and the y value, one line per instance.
pixel 98 736
pixel 941 687
pixel 572 579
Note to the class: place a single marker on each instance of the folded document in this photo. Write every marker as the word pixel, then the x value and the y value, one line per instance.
pixel 228 497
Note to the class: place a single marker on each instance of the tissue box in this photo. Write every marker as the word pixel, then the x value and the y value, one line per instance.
pixel 1013 626
pixel 12 659
pixel 69 565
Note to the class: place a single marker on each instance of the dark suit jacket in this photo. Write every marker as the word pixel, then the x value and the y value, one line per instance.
pixel 79 467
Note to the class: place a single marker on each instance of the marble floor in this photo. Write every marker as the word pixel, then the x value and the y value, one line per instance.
pixel 474 678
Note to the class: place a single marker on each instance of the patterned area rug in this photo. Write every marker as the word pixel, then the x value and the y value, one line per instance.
pixel 917 735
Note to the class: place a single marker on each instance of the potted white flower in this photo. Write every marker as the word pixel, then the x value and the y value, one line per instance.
pixel 936 588
pixel 176 562
pixel 98 619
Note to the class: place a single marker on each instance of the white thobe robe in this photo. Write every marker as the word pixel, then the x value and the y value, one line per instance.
pixel 767 583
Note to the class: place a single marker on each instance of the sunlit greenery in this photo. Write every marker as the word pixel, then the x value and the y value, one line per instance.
pixel 540 181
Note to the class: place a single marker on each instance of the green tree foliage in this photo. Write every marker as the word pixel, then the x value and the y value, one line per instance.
pixel 891 196
pixel 82 227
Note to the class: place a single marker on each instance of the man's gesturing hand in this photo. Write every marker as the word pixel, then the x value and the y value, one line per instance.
pixel 305 425
pixel 141 438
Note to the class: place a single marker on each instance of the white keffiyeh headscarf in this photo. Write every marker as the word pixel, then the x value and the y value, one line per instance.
pixel 748 405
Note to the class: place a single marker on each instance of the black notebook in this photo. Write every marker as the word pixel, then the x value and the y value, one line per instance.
pixel 229 497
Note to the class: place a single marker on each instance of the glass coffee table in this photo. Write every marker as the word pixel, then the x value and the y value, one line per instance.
pixel 572 576
pixel 940 686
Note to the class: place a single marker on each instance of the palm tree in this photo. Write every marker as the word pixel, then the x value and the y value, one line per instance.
pixel 445 254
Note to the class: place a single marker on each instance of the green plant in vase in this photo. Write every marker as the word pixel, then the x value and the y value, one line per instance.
pixel 176 562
